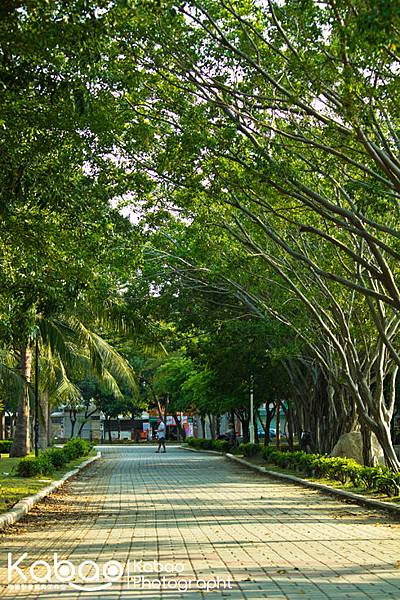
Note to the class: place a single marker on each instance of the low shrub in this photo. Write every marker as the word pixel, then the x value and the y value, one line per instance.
pixel 204 444
pixel 199 443
pixel 76 448
pixel 388 483
pixel 46 466
pixel 221 445
pixel 293 459
pixel 53 458
pixel 340 469
pixel 250 449
pixel 336 468
pixel 57 456
pixel 368 476
pixel 267 451
pixel 5 446
pixel 28 467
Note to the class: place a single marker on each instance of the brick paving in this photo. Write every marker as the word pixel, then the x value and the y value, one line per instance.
pixel 212 518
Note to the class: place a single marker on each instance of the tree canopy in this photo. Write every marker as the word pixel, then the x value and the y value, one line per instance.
pixel 213 187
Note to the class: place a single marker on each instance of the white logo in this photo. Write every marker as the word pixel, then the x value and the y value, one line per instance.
pixel 90 576
pixel 66 572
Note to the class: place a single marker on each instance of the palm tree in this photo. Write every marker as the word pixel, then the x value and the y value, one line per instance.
pixel 55 388
pixel 15 372
pixel 82 361
pixel 11 384
pixel 65 345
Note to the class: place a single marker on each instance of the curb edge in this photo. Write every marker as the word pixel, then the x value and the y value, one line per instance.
pixel 21 508
pixel 370 502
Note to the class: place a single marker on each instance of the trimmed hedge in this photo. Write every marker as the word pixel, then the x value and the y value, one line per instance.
pixel 5 446
pixel 53 459
pixel 203 444
pixel 345 470
pixel 250 449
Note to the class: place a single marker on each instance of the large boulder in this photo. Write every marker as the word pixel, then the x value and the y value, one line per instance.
pixel 350 445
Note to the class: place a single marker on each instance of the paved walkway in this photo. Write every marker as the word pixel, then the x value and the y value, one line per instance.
pixel 209 517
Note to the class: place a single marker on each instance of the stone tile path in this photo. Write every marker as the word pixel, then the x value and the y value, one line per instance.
pixel 207 518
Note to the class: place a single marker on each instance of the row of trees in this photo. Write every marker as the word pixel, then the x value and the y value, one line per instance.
pixel 256 145
pixel 65 249
pixel 211 376
pixel 272 139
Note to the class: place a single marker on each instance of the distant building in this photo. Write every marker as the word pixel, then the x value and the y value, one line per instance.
pixel 63 424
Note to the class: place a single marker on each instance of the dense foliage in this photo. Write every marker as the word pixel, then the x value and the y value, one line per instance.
pixel 205 193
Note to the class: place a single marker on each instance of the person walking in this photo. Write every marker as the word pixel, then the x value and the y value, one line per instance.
pixel 161 429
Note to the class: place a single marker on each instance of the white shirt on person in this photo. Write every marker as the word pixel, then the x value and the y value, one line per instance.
pixel 161 430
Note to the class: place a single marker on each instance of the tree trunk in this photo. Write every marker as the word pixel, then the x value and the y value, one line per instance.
pixel 385 441
pixel 49 429
pixel 85 420
pixel 133 423
pixel 180 429
pixel 163 413
pixel 217 425
pixel 203 426
pixel 13 420
pixel 289 417
pixel 270 416
pixel 245 429
pixel 109 429
pixel 377 417
pixel 233 426
pixel 2 425
pixel 72 416
pixel 43 419
pixel 22 444
pixel 212 427
pixel 278 424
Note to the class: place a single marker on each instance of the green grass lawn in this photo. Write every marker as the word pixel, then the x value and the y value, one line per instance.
pixel 13 488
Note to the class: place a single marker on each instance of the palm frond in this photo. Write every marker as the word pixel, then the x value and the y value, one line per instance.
pixel 105 358
pixel 55 333
pixel 12 380
pixel 47 369
pixel 111 385
pixel 66 391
